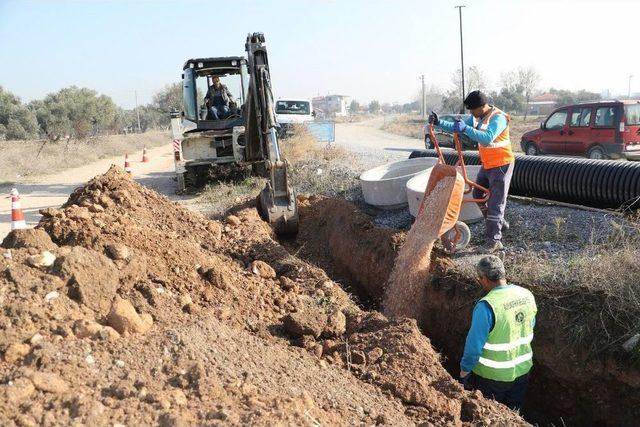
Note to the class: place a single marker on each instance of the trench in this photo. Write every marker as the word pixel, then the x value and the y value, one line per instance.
pixel 566 388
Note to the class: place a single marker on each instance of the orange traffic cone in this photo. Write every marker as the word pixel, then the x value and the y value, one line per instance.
pixel 127 166
pixel 145 159
pixel 17 217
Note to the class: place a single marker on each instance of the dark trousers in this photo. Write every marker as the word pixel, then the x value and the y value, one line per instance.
pixel 510 394
pixel 497 180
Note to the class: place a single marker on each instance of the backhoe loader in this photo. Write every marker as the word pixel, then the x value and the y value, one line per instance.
pixel 243 138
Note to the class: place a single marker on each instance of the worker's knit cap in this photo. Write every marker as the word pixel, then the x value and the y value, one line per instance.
pixel 475 99
pixel 492 268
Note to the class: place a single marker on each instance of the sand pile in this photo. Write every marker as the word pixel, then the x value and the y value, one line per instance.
pixel 125 308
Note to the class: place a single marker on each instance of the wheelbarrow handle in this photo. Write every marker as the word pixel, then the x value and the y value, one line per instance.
pixel 433 138
pixel 467 181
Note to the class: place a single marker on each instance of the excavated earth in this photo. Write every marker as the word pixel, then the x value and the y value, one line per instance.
pixel 568 387
pixel 123 308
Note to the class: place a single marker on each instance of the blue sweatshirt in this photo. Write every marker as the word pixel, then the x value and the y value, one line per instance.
pixel 497 125
pixel 482 322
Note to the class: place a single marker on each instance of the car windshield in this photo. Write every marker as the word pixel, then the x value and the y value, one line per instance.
pixel 292 107
pixel 632 114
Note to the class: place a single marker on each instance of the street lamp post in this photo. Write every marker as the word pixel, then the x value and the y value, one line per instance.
pixel 461 54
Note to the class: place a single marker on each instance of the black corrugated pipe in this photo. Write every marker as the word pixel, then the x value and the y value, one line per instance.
pixel 597 183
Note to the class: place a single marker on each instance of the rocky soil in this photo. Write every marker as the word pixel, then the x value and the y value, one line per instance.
pixel 123 308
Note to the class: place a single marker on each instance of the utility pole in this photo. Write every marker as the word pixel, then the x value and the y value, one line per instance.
pixel 461 55
pixel 629 92
pixel 135 93
pixel 423 107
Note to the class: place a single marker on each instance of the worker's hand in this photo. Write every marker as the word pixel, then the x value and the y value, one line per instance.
pixel 463 374
pixel 433 119
pixel 459 126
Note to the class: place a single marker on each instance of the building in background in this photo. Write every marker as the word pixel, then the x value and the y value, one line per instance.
pixel 331 105
pixel 542 105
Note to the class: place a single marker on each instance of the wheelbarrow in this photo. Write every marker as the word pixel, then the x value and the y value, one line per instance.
pixel 455 235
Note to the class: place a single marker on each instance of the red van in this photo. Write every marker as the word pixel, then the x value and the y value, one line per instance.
pixel 597 130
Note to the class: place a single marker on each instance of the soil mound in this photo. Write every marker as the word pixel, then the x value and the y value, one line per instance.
pixel 151 314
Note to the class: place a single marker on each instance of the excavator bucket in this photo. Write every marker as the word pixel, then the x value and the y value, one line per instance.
pixel 279 207
pixel 453 193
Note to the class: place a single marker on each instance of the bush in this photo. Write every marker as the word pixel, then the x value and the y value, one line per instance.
pixel 16 120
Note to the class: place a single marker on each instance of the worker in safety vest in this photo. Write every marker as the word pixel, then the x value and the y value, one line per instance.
pixel 489 127
pixel 497 354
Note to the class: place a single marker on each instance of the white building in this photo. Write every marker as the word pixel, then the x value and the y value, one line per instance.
pixel 331 105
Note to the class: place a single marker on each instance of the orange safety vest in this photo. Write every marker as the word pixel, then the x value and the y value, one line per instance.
pixel 498 153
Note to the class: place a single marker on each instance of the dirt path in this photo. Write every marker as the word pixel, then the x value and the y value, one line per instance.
pixel 53 190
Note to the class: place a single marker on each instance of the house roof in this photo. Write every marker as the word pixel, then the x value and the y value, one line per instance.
pixel 545 97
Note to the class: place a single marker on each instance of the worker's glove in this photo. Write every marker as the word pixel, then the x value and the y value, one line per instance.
pixel 459 126
pixel 433 119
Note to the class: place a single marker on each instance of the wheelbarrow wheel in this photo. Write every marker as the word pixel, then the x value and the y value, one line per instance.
pixel 457 238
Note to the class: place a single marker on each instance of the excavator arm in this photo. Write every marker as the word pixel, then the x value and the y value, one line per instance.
pixel 277 201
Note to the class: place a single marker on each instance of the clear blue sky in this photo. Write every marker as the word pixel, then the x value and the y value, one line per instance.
pixel 366 49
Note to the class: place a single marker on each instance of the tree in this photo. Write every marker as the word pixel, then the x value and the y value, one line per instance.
pixel 16 120
pixel 567 97
pixel 374 106
pixel 475 79
pixel 354 107
pixel 157 113
pixel 168 98
pixel 76 112
pixel 529 79
pixel 432 99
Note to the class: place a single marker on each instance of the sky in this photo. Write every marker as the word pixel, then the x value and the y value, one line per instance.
pixel 365 49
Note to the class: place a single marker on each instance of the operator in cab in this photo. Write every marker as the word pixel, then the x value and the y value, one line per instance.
pixel 489 127
pixel 218 100
pixel 498 357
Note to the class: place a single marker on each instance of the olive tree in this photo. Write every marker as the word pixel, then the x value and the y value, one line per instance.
pixel 16 120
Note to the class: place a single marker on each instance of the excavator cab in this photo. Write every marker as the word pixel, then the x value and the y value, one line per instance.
pixel 198 76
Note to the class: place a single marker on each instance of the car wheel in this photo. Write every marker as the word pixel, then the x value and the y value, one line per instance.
pixel 427 143
pixel 532 149
pixel 596 153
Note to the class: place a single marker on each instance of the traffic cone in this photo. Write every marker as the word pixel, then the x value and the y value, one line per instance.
pixel 17 217
pixel 127 166
pixel 145 159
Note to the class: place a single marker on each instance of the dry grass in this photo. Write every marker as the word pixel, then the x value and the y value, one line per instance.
pixel 19 160
pixel 597 286
pixel 413 126
pixel 315 168
pixel 318 168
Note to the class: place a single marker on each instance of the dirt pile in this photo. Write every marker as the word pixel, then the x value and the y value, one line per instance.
pixel 152 314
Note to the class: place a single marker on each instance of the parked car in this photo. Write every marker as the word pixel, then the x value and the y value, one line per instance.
pixel 445 139
pixel 291 112
pixel 597 130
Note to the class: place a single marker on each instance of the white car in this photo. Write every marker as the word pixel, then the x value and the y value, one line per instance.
pixel 293 111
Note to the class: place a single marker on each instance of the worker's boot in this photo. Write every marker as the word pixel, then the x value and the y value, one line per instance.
pixel 491 247
pixel 505 225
